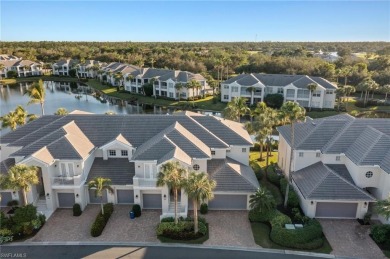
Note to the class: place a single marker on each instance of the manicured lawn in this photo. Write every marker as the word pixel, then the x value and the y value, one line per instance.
pixel 36 78
pixel 255 155
pixel 321 114
pixel 261 235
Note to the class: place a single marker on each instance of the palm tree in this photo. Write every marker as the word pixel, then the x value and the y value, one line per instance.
pixel 10 120
pixel 179 86
pixel 20 177
pixel 348 90
pixel 1 70
pixel 236 108
pixel 172 175
pixel 213 84
pixel 382 207
pixel 311 87
pixel 199 188
pixel 386 90
pixel 293 113
pixel 262 201
pixel 61 111
pixel 118 77
pixel 366 85
pixel 100 185
pixel 339 93
pixel 37 94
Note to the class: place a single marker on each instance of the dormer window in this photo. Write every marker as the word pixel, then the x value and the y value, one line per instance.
pixel 213 152
pixel 112 152
pixel 124 153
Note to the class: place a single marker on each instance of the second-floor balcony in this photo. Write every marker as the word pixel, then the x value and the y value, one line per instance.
pixel 144 182
pixel 67 180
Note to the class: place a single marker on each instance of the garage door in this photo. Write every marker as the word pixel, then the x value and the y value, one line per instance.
pixel 191 205
pixel 125 196
pixel 336 210
pixel 152 201
pixel 228 202
pixel 5 198
pixel 66 200
pixel 93 199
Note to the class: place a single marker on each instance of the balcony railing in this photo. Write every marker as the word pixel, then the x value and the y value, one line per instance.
pixel 142 182
pixel 72 180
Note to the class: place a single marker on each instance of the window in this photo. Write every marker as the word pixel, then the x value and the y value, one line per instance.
pixel 300 154
pixel 225 87
pixel 170 85
pixel 337 158
pixel 243 150
pixel 170 95
pixel 280 90
pixel 112 152
pixel 369 174
pixel 226 97
pixel 196 167
pixel 213 152
pixel 124 152
pixel 318 154
pixel 317 94
pixel 227 150
pixel 329 92
pixel 235 89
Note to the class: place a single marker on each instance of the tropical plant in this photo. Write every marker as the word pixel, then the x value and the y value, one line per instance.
pixel 37 94
pixel 348 90
pixel 173 175
pixel 236 108
pixel 179 86
pixel 199 187
pixel 61 111
pixel 382 207
pixel 100 185
pixel 293 113
pixel 1 70
pixel 365 86
pixel 386 90
pixel 16 118
pixel 262 201
pixel 311 87
pixel 20 177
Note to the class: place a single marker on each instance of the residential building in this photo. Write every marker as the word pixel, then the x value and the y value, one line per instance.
pixel 62 67
pixel 8 57
pixel 327 56
pixel 71 150
pixel 340 164
pixel 89 68
pixel 254 87
pixel 164 80
pixel 23 68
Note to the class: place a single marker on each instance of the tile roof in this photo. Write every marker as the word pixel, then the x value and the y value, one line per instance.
pixel 6 164
pixel 232 176
pixel 300 81
pixel 320 182
pixel 364 141
pixel 119 170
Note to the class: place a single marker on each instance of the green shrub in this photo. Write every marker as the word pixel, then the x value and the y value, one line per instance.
pixel 279 220
pixel 42 218
pixel 380 233
pixel 255 216
pixel 4 220
pixel 274 178
pixel 292 199
pixel 76 210
pixel 308 237
pixel 204 208
pixel 25 214
pixel 13 203
pixel 183 230
pixel 12 74
pixel 98 226
pixel 137 210
pixel 5 235
pixel 168 219
pixel 36 223
pixel 367 218
pixel 28 228
pixel 108 210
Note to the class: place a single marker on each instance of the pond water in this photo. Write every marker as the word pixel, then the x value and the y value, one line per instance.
pixel 71 96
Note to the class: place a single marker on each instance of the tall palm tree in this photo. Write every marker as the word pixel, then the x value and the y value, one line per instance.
pixel 213 84
pixel 348 90
pixel 1 70
pixel 37 94
pixel 10 120
pixel 61 111
pixel 340 92
pixel 382 207
pixel 367 85
pixel 311 87
pixel 293 113
pixel 118 77
pixel 386 90
pixel 262 201
pixel 179 86
pixel 236 108
pixel 199 188
pixel 173 175
pixel 100 185
pixel 20 177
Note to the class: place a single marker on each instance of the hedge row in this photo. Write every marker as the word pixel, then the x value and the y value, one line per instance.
pixel 293 199
pixel 101 220
pixel 183 230
pixel 380 233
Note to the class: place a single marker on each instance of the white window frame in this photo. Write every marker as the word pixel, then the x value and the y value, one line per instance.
pixel 318 154
pixel 243 150
pixel 69 169
pixel 338 158
pixel 301 154
pixel 124 150
pixel 151 173
pixel 109 153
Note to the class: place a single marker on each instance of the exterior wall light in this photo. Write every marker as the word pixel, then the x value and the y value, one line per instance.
pixel 312 202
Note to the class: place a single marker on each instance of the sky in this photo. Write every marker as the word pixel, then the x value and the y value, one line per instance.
pixel 194 21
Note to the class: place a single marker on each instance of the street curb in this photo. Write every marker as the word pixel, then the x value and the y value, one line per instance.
pixel 145 244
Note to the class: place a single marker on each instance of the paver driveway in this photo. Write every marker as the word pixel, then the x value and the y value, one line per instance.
pixel 229 228
pixel 349 238
pixel 62 226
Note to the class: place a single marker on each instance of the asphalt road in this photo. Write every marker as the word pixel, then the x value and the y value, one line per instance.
pixel 105 251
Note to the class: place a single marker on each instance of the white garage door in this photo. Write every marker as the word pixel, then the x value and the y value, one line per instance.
pixel 228 202
pixel 152 201
pixel 66 200
pixel 336 210
pixel 125 196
